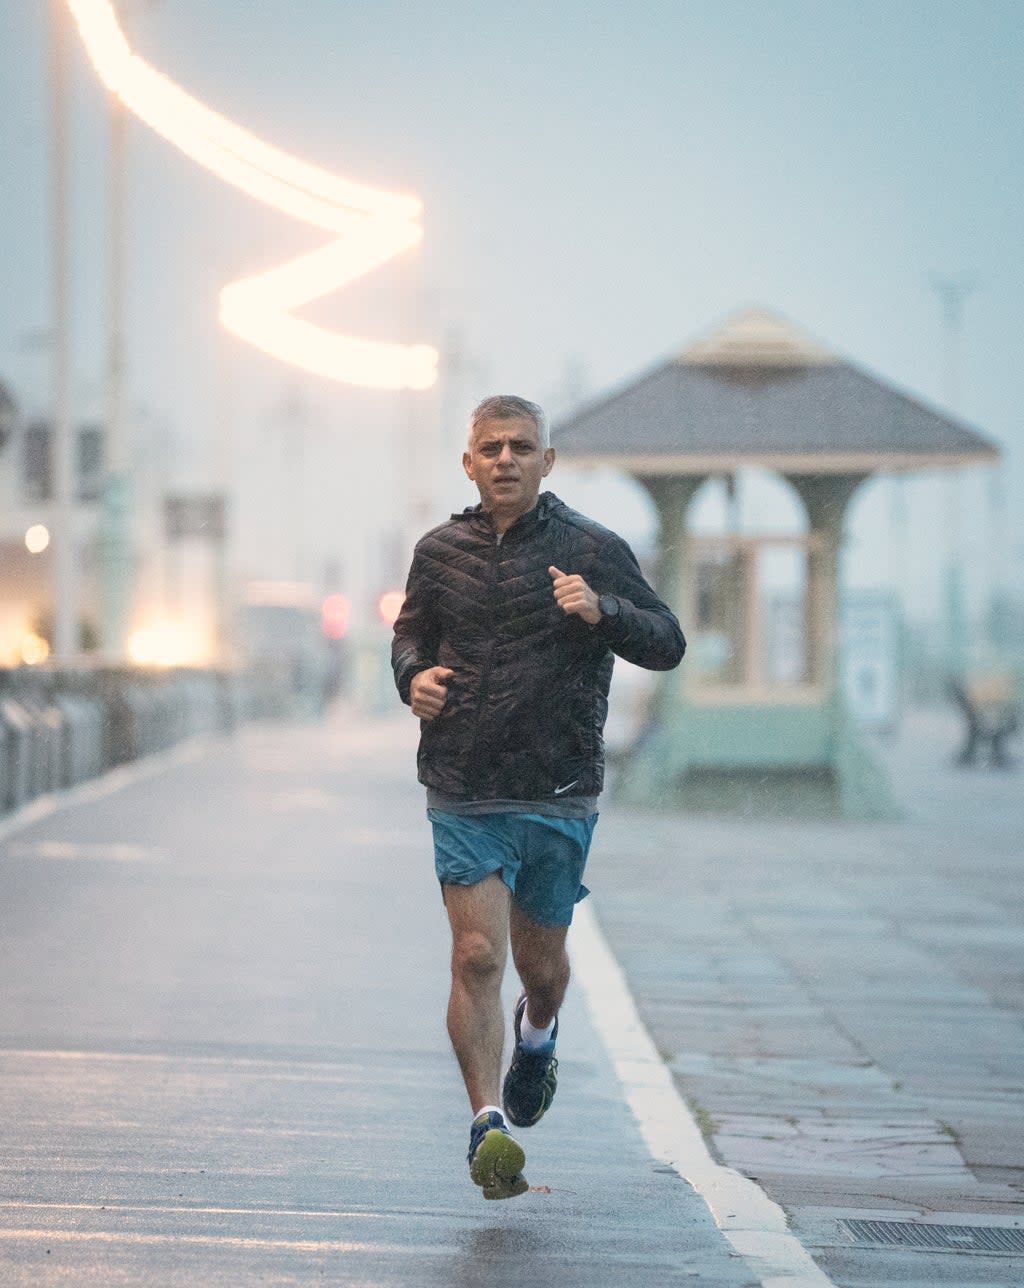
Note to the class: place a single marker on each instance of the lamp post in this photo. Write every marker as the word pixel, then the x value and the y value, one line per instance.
pixel 116 544
pixel 64 584
pixel 953 293
pixel 116 554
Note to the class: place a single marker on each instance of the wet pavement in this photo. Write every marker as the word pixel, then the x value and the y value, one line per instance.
pixel 842 1005
pixel 223 1057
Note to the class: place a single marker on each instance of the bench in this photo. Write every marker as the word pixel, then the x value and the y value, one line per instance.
pixel 990 716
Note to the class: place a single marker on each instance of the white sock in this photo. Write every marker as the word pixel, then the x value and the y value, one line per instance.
pixel 487 1109
pixel 534 1038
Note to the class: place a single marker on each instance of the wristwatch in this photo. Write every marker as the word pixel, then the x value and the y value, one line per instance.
pixel 608 606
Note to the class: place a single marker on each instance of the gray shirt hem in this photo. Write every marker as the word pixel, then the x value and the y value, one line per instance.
pixel 570 807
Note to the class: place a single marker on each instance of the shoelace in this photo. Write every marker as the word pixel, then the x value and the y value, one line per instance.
pixel 534 1061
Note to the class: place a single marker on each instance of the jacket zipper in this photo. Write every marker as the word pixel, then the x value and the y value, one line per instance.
pixel 485 669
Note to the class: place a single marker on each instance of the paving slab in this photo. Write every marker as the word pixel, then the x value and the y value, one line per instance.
pixel 842 1003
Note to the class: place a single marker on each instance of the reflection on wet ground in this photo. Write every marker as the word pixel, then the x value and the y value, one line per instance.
pixel 227 1064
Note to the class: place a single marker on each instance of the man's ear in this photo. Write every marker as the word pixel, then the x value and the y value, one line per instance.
pixel 467 465
pixel 549 461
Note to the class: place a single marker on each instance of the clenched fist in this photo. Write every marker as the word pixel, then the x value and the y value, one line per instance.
pixel 428 691
pixel 574 596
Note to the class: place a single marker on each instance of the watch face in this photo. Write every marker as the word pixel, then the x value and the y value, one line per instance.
pixel 608 605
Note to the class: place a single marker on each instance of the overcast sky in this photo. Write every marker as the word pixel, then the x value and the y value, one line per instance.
pixel 601 183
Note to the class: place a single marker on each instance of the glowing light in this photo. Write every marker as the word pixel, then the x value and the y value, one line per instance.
pixel 34 649
pixel 37 538
pixel 168 643
pixel 390 605
pixel 371 224
pixel 334 616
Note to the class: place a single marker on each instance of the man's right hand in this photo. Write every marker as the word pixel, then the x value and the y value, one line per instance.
pixel 428 691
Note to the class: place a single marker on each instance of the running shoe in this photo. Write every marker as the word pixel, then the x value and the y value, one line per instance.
pixel 495 1159
pixel 532 1076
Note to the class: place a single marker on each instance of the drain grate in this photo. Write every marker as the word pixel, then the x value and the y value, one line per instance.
pixel 948 1238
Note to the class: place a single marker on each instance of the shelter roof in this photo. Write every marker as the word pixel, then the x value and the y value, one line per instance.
pixel 759 392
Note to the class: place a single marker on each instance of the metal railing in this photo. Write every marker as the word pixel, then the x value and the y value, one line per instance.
pixel 62 726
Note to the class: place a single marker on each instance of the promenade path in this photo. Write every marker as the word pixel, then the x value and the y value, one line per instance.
pixel 223 1058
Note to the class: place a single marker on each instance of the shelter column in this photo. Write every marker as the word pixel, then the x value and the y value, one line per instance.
pixel 826 498
pixel 672 495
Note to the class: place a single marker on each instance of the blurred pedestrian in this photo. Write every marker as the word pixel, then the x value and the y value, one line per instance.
pixel 503 649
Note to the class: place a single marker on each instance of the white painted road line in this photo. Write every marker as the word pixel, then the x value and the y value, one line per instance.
pixel 755 1226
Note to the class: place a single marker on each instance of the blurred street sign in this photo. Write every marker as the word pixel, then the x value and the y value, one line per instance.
pixel 870 658
pixel 198 515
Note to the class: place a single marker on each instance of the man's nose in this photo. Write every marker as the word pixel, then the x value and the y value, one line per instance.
pixel 505 456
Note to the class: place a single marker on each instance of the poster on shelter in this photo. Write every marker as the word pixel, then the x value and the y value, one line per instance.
pixel 870 658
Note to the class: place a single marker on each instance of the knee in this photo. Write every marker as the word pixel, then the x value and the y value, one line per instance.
pixel 476 956
pixel 547 974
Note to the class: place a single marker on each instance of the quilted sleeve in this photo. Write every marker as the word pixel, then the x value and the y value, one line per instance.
pixel 644 631
pixel 415 641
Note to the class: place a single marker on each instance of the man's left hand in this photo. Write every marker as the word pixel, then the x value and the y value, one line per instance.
pixel 574 596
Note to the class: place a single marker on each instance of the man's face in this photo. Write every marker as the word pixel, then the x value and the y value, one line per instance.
pixel 506 463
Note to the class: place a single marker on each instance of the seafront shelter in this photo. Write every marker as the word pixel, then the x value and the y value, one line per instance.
pixel 756 711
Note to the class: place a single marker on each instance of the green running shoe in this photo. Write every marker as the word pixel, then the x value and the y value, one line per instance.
pixel 532 1076
pixel 495 1159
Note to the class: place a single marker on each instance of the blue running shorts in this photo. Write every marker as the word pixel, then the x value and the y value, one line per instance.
pixel 540 859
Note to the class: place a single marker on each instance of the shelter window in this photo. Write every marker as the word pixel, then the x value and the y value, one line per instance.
pixel 750 621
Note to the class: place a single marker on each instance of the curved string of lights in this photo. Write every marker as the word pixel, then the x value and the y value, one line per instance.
pixel 370 225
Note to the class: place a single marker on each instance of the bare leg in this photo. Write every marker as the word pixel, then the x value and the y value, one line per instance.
pixel 478 915
pixel 543 965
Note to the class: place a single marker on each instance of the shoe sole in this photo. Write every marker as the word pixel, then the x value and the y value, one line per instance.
pixel 497 1166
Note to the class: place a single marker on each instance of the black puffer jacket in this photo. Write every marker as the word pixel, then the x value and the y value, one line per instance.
pixel 527 702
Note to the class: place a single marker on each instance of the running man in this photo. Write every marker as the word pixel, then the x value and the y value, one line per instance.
pixel 504 650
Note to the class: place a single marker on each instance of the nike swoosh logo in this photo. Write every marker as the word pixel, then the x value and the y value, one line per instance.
pixel 560 790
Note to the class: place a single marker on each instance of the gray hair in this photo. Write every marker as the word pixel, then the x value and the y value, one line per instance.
pixel 510 407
